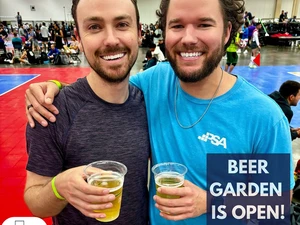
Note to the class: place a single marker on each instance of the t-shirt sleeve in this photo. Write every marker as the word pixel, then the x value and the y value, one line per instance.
pixel 44 151
pixel 45 144
pixel 135 80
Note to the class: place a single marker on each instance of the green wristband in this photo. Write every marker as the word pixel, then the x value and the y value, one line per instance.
pixel 58 84
pixel 55 190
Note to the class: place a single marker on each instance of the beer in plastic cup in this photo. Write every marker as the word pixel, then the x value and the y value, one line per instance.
pixel 169 174
pixel 108 174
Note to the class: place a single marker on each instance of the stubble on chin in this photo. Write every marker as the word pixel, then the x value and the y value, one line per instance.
pixel 206 67
pixel 114 73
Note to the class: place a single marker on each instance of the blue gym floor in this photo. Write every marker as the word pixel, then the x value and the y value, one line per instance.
pixel 269 79
pixel 9 82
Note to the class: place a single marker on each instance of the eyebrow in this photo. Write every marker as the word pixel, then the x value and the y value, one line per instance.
pixel 101 19
pixel 204 19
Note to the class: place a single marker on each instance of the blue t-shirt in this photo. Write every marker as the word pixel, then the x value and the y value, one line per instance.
pixel 17 43
pixel 245 33
pixel 243 120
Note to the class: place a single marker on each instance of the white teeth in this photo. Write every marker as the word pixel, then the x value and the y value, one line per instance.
pixel 190 54
pixel 112 57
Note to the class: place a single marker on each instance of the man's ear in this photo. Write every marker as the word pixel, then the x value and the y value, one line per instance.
pixel 290 99
pixel 140 34
pixel 76 32
pixel 227 32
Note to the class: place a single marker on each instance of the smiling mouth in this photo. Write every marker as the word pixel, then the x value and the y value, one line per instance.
pixel 113 57
pixel 190 54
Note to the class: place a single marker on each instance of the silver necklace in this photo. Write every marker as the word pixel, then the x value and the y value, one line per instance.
pixel 205 111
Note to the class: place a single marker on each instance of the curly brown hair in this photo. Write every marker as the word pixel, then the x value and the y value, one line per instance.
pixel 74 12
pixel 232 10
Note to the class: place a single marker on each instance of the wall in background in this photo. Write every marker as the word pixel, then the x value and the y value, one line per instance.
pixel 54 9
pixel 287 6
pixel 266 8
pixel 261 9
pixel 43 10
pixel 147 10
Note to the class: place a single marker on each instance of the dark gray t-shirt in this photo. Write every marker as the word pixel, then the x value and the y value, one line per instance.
pixel 89 129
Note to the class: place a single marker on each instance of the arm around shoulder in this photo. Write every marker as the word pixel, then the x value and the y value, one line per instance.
pixel 40 96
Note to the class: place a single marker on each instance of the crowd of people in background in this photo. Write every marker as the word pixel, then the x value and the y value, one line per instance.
pixel 152 39
pixel 36 39
pixel 249 39
pixel 40 38
pixel 283 17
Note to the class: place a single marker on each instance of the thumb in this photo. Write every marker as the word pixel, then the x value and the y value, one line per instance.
pixel 51 91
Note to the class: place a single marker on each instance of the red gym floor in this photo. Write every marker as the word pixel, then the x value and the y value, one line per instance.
pixel 13 155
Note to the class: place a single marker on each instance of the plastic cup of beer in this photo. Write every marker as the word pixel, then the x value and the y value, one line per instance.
pixel 110 175
pixel 170 175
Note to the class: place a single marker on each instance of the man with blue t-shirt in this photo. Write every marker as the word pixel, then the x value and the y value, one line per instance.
pixel 192 106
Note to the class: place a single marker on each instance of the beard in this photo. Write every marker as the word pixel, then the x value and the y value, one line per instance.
pixel 208 65
pixel 113 74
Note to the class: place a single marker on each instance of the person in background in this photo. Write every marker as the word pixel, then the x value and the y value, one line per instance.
pixel 248 17
pixel 17 42
pixel 147 39
pixel 293 20
pixel 3 32
pixel 232 56
pixel 22 58
pixel 287 96
pixel 2 46
pixel 34 43
pixel 245 38
pixel 45 36
pixel 21 30
pixel 282 16
pixel 53 52
pixel 73 49
pixel 157 34
pixel 286 17
pixel 58 36
pixel 255 45
pixel 192 104
pixel 161 45
pixel 251 28
pixel 19 18
pixel 151 60
pixel 156 52
pixel 65 33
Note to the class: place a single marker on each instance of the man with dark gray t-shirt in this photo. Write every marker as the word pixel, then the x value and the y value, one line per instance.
pixel 90 129
pixel 101 117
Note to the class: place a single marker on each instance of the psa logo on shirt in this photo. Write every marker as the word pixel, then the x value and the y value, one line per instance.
pixel 214 139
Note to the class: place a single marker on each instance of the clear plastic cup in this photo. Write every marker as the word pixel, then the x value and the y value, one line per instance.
pixel 169 174
pixel 108 174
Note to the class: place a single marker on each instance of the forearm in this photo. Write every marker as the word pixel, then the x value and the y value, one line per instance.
pixel 42 202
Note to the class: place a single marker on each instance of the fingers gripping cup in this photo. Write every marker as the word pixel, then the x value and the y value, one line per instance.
pixel 169 174
pixel 108 174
